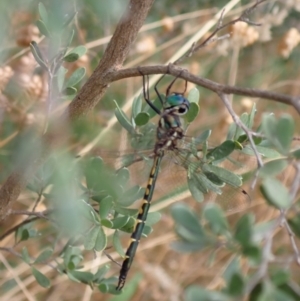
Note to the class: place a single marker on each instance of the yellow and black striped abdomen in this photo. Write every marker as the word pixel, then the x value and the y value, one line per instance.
pixel 140 221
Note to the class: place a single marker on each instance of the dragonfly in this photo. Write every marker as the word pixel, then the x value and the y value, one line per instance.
pixel 169 132
pixel 203 177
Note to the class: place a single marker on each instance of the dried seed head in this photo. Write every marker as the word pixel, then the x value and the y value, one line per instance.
pixel 289 41
pixel 243 34
pixel 6 74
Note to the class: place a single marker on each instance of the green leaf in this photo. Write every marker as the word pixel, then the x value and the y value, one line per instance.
pixel 231 131
pixel 186 218
pixel 60 75
pixel 130 289
pixel 241 140
pixel 25 255
pixel 75 53
pixel 69 35
pixel 68 19
pixel 266 291
pixel 126 211
pixel 120 221
pixel 273 168
pixel 192 113
pixel 117 244
pixel 294 223
pixel 189 246
pixel 233 266
pixel 24 234
pixel 244 230
pixel 75 78
pixel 153 218
pixel 43 13
pixel 197 293
pixel 103 288
pixel 285 132
pixel 251 116
pixel 224 175
pixel 244 118
pixel 279 133
pixel 41 279
pixel 253 252
pixel 147 231
pixel 71 57
pixel 44 256
pixel 84 277
pixel 216 219
pixel 70 91
pixel 93 171
pixel 195 191
pixel 275 193
pixel 142 118
pixel 202 137
pixel 99 275
pixel 132 195
pixel 236 285
pixel 137 106
pixel 101 241
pixel 296 154
pixel 87 211
pixel 123 175
pixel 194 95
pixel 280 277
pixel 265 151
pixel 43 28
pixel 107 223
pixel 222 151
pixel 123 119
pixel 72 257
pixel 38 56
pixel 90 238
pixel 106 206
pixel 205 184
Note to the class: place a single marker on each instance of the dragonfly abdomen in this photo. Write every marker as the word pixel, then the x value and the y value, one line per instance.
pixel 140 222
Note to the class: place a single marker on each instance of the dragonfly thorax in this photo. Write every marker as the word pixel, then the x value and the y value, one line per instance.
pixel 170 130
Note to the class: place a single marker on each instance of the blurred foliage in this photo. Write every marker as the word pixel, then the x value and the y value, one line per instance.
pixel 78 205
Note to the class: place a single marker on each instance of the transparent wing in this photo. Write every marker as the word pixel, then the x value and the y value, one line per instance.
pixel 180 166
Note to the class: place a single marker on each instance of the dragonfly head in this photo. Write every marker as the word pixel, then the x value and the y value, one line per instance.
pixel 177 103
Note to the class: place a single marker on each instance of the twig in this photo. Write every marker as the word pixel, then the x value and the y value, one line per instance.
pixel 38 200
pixel 41 214
pixel 263 268
pixel 242 18
pixel 292 239
pixel 238 122
pixel 13 229
pixel 11 250
pixel 293 192
pixel 110 258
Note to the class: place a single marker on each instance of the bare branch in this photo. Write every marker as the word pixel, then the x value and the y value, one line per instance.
pixel 206 83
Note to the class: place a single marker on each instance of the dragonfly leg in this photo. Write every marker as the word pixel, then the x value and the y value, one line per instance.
pixel 146 93
pixel 172 83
